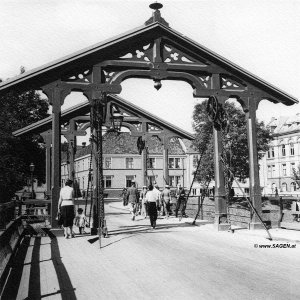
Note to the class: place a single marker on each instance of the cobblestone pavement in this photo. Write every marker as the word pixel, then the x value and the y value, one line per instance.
pixel 174 261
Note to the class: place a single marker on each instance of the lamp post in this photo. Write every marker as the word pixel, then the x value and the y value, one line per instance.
pixel 31 167
pixel 98 119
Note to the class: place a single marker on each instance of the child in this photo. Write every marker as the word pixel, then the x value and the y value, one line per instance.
pixel 80 220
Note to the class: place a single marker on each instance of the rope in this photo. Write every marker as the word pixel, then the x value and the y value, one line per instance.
pixel 249 201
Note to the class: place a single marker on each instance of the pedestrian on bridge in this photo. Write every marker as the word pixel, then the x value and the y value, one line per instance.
pixel 152 199
pixel 133 199
pixel 166 198
pixel 144 203
pixel 158 194
pixel 66 208
pixel 180 196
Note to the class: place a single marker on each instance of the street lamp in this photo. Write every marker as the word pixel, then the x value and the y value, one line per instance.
pixel 117 120
pixel 31 167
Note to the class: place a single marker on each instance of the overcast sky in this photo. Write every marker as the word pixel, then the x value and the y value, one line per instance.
pixel 260 36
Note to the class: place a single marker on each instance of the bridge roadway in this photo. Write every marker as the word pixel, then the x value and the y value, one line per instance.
pixel 175 261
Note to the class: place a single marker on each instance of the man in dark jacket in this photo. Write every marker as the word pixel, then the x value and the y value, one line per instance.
pixel 133 198
pixel 180 196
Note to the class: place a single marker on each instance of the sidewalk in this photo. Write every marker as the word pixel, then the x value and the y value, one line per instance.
pixel 277 234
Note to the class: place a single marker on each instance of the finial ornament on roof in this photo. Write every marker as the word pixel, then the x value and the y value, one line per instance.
pixel 156 16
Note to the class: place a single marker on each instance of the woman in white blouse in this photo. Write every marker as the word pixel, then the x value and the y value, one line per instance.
pixel 66 208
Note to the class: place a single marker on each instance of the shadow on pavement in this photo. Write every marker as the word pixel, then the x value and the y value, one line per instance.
pixel 136 229
pixel 11 288
pixel 14 278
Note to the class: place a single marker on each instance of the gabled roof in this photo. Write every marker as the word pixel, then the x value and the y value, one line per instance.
pixel 84 109
pixel 45 74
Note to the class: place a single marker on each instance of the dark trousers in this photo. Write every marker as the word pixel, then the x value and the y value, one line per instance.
pixel 152 210
pixel 180 202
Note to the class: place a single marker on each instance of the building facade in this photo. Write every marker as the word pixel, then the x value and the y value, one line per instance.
pixel 122 163
pixel 276 167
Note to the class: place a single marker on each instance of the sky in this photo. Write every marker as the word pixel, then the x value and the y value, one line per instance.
pixel 261 36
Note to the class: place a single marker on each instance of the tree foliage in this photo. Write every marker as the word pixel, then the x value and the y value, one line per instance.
pixel 296 175
pixel 16 153
pixel 234 141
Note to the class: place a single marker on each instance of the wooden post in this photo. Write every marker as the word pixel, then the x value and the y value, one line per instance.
pixel 144 166
pixel 72 147
pixel 165 163
pixel 56 159
pixel 220 193
pixel 255 192
pixel 47 139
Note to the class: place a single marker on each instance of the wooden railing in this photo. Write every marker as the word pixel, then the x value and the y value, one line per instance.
pixel 9 240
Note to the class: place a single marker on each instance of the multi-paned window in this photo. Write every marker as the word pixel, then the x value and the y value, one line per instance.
pixel 151 163
pixel 284 169
pixel 174 163
pixel 271 171
pixel 292 149
pixel 284 187
pixel 283 150
pixel 129 163
pixel 107 181
pixel 129 180
pixel 271 153
pixel 174 180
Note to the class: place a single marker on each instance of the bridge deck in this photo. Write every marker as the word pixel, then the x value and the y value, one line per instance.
pixel 175 261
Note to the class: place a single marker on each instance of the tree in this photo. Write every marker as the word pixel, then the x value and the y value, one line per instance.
pixel 234 141
pixel 16 153
pixel 296 175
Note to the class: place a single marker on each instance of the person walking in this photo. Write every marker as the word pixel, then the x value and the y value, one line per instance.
pixel 124 196
pixel 80 220
pixel 152 200
pixel 158 194
pixel 180 196
pixel 144 203
pixel 166 198
pixel 66 208
pixel 133 198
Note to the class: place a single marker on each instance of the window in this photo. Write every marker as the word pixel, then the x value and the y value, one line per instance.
pixel 174 163
pixel 293 186
pixel 107 181
pixel 284 169
pixel 151 163
pixel 107 163
pixel 292 168
pixel 129 163
pixel 269 171
pixel 292 149
pixel 283 150
pixel 129 180
pixel 284 187
pixel 271 153
pixel 151 180
pixel 174 180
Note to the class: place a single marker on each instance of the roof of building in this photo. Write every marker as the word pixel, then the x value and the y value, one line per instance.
pixel 153 30
pixel 84 109
pixel 285 124
pixel 124 143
